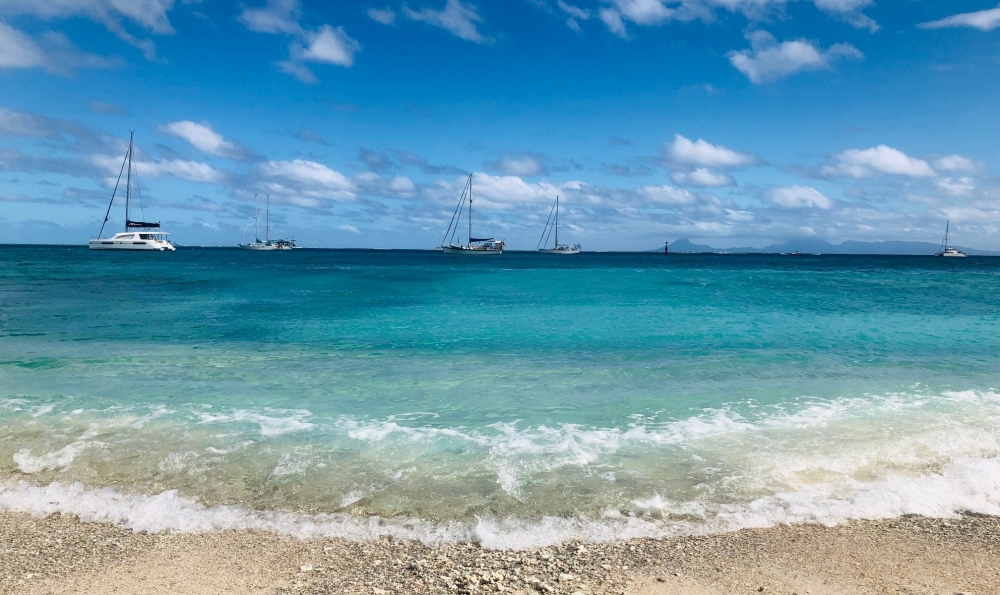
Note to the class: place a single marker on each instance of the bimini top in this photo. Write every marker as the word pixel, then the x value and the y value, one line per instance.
pixel 142 225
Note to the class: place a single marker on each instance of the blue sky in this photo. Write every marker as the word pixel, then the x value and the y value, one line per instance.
pixel 730 122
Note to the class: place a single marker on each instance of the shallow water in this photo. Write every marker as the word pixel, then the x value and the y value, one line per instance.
pixel 517 400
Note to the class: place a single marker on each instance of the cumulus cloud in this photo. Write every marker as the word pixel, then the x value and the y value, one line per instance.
pixel 386 16
pixel 53 52
pixel 703 154
pixel 193 171
pixel 799 197
pixel 113 14
pixel 305 183
pixel 702 178
pixel 957 186
pixel 525 165
pixel 667 195
pixel 455 17
pixel 861 163
pixel 767 60
pixel 984 20
pixel 326 45
pixel 206 140
pixel 850 11
pixel 956 163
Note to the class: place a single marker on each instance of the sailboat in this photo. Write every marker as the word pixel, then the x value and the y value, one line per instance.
pixel 480 246
pixel 552 223
pixel 266 244
pixel 945 250
pixel 147 236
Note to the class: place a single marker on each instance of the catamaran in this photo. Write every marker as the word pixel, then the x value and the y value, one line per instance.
pixel 945 250
pixel 481 246
pixel 148 236
pixel 266 244
pixel 552 223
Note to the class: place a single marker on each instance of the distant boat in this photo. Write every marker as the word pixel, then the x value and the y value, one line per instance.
pixel 552 223
pixel 266 244
pixel 945 250
pixel 478 246
pixel 148 236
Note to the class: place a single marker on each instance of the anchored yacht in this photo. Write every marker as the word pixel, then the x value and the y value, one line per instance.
pixel 947 252
pixel 553 224
pixel 138 235
pixel 480 246
pixel 267 244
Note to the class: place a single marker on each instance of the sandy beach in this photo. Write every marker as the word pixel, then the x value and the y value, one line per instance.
pixel 911 555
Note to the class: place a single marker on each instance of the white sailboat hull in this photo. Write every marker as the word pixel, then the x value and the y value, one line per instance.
pixel 265 247
pixel 567 250
pixel 951 254
pixel 147 245
pixel 474 250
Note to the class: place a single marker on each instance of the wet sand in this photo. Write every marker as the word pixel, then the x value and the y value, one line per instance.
pixel 911 555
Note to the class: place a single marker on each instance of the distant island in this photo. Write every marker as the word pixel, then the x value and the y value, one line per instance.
pixel 814 246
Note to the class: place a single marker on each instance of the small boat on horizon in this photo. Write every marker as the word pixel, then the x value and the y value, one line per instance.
pixel 947 252
pixel 552 223
pixel 475 246
pixel 266 244
pixel 148 236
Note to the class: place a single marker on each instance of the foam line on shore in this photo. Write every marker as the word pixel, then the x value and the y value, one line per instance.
pixel 969 485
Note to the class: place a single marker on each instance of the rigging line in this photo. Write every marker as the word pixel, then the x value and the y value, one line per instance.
pixel 106 214
pixel 542 240
pixel 448 233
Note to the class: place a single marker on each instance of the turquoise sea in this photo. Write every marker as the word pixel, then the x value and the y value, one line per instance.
pixel 515 401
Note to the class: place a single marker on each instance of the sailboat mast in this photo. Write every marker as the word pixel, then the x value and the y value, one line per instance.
pixel 128 179
pixel 256 226
pixel 557 221
pixel 267 220
pixel 470 209
pixel 946 226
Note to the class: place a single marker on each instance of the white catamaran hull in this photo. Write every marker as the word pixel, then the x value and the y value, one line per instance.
pixel 951 255
pixel 159 246
pixel 475 251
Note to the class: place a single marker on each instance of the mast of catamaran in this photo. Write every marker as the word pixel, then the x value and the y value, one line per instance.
pixel 256 226
pixel 946 226
pixel 128 178
pixel 470 209
pixel 267 220
pixel 557 221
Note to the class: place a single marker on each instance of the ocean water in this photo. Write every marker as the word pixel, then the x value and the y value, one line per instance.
pixel 515 401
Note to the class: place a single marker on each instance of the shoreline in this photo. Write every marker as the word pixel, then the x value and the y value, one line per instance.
pixel 911 555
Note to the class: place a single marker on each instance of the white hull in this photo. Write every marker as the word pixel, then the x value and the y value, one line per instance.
pixel 264 247
pixel 951 255
pixel 559 250
pixel 158 246
pixel 475 251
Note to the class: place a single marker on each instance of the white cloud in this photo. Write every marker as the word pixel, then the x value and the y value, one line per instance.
pixel 455 17
pixel 861 163
pixel 799 197
pixel 956 163
pixel 956 187
pixel 504 192
pixel 55 53
pixel 667 195
pixel 524 165
pixel 349 228
pixel 767 60
pixel 148 14
pixel 386 16
pixel 613 19
pixel 701 153
pixel 850 11
pixel 194 171
pixel 203 138
pixel 984 20
pixel 305 183
pixel 17 50
pixel 328 44
pixel 703 178
pixel 402 184
pixel 573 11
